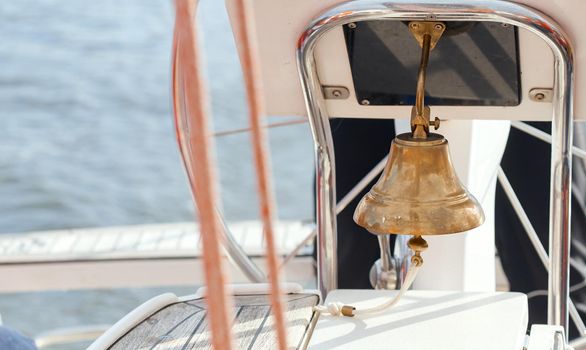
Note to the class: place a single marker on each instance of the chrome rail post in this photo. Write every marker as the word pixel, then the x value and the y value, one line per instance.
pixel 560 192
pixel 327 257
pixel 458 10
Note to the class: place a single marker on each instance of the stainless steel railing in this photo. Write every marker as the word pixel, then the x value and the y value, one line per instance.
pixel 460 10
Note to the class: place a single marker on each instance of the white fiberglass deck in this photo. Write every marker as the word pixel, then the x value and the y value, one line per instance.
pixel 423 320
pixel 129 256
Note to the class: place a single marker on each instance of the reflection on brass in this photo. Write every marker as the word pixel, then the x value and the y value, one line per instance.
pixel 419 192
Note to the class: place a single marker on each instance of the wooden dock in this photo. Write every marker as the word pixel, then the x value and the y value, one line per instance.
pixel 132 256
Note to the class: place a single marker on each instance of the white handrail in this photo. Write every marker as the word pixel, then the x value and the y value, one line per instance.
pixel 70 335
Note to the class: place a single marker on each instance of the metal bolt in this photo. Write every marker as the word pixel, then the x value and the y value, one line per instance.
pixel 505 25
pixel 414 25
pixel 541 94
pixel 352 25
pixel 438 27
pixel 365 102
pixel 335 92
pixel 435 123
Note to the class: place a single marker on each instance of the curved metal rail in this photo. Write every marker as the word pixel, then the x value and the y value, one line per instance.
pixel 460 10
pixel 234 251
pixel 238 256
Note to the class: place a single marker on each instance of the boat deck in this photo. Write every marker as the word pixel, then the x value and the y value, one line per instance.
pixel 132 256
pixel 184 325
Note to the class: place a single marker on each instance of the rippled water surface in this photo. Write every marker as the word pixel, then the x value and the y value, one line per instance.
pixel 85 128
pixel 86 134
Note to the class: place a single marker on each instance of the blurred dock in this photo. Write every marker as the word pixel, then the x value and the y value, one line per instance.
pixel 134 256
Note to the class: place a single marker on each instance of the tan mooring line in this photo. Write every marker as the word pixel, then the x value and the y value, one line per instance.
pixel 252 77
pixel 193 133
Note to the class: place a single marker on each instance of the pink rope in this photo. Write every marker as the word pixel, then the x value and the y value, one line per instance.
pixel 191 120
pixel 252 77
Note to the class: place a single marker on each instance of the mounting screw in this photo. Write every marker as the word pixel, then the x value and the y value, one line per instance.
pixel 414 25
pixel 435 123
pixel 541 94
pixel 352 25
pixel 365 102
pixel 335 92
pixel 505 25
pixel 438 27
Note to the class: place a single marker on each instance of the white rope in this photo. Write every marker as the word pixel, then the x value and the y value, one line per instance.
pixel 335 308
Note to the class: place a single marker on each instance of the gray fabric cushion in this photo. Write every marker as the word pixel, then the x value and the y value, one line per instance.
pixel 13 340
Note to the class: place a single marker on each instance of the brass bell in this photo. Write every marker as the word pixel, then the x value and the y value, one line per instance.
pixel 419 192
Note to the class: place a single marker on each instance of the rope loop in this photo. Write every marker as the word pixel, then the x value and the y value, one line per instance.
pixel 337 308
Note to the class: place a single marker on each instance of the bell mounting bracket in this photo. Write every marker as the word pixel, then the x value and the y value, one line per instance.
pixel 433 29
pixel 427 35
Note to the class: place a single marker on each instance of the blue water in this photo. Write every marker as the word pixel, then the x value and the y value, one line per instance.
pixel 86 135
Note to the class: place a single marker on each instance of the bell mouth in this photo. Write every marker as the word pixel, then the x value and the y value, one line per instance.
pixel 451 216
